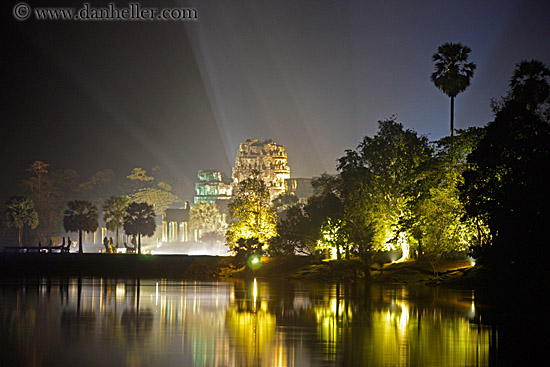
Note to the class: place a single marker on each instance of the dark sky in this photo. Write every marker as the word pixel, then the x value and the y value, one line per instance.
pixel 315 76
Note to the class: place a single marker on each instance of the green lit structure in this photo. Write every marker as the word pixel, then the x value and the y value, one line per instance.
pixel 212 187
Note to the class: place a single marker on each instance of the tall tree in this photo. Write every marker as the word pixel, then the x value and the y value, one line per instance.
pixel 20 212
pixel 114 210
pixel 503 186
pixel 80 216
pixel 433 217
pixel 49 190
pixel 252 216
pixel 139 221
pixel 529 83
pixel 378 179
pixel 453 72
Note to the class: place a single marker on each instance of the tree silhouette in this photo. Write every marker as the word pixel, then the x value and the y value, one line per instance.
pixel 114 210
pixel 139 221
pixel 529 83
pixel 81 215
pixel 503 186
pixel 452 72
pixel 20 212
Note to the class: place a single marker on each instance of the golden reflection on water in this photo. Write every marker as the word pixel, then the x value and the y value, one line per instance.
pixel 254 323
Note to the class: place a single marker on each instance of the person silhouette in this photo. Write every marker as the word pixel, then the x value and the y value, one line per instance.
pixel 106 245
pixel 111 245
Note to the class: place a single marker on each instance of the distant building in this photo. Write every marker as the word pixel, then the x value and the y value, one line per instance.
pixel 268 158
pixel 300 187
pixel 175 225
pixel 212 187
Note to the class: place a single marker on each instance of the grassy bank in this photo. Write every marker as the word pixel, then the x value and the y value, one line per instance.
pixel 205 267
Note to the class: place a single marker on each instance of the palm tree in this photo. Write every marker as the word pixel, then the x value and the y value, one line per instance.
pixel 20 212
pixel 529 83
pixel 114 210
pixel 80 216
pixel 452 72
pixel 139 221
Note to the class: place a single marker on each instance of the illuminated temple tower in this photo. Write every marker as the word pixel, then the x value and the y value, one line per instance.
pixel 268 158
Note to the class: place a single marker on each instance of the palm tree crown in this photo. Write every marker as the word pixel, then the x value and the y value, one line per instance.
pixel 139 221
pixel 529 83
pixel 114 210
pixel 20 212
pixel 452 72
pixel 80 216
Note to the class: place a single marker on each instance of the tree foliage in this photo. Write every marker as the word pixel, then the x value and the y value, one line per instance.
pixel 284 201
pixel 80 216
pixel 299 226
pixel 19 213
pixel 435 217
pixel 252 216
pixel 378 180
pixel 139 221
pixel 49 190
pixel 206 218
pixel 144 189
pixel 503 184
pixel 529 83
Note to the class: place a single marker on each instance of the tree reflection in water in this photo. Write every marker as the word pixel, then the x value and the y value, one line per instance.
pixel 108 322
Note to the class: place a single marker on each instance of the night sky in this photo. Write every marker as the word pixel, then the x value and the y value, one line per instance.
pixel 315 76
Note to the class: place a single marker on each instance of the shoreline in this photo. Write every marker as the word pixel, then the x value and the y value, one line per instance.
pixel 199 267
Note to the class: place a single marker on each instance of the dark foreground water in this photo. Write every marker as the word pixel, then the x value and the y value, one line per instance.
pixel 107 322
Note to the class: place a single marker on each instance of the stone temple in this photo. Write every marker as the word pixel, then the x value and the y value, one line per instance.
pixel 268 158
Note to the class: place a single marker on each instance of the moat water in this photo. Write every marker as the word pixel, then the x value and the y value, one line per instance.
pixel 109 322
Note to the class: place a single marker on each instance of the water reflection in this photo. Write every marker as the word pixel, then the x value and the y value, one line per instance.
pixel 109 322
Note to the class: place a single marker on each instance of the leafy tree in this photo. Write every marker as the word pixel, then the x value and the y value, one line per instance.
pixel 114 210
pixel 296 233
pixel 434 218
pixel 503 185
pixel 252 216
pixel 139 174
pixel 19 213
pixel 49 190
pixel 80 216
pixel 139 221
pixel 207 218
pixel 529 83
pixel 378 180
pixel 160 197
pixel 453 72
pixel 284 201
pixel 334 238
pixel 142 188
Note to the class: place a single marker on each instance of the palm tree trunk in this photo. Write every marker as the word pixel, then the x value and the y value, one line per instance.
pixel 20 236
pixel 80 251
pixel 139 244
pixel 452 115
pixel 116 241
